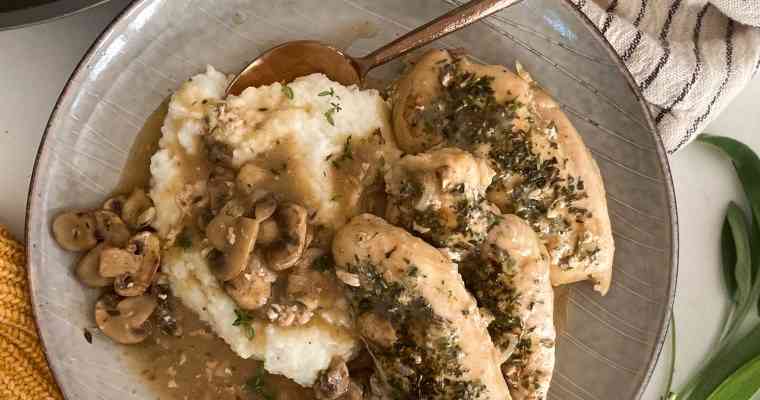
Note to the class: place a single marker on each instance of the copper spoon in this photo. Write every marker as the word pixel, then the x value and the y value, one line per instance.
pixel 290 60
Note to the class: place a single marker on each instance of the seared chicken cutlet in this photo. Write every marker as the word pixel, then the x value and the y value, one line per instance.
pixel 440 195
pixel 509 277
pixel 420 324
pixel 544 172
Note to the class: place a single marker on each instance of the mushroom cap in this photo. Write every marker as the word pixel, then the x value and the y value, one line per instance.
pixel 114 261
pixel 269 231
pixel 115 204
pixel 252 288
pixel 334 381
pixel 136 204
pixel 125 320
pixel 293 223
pixel 265 208
pixel 148 247
pixel 75 231
pixel 238 255
pixel 88 269
pixel 217 231
pixel 110 228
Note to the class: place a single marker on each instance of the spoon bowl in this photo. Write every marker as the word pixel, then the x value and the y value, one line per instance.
pixel 290 60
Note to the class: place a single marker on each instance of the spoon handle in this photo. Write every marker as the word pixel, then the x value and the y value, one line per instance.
pixel 454 20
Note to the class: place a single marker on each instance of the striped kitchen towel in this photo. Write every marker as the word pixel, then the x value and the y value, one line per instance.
pixel 689 57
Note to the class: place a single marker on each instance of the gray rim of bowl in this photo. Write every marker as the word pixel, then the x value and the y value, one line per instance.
pixel 661 155
pixel 45 13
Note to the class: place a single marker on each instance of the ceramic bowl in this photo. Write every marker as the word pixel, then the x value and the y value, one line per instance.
pixel 608 346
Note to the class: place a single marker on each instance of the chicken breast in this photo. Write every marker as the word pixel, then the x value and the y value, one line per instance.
pixel 544 172
pixel 440 195
pixel 431 341
pixel 509 277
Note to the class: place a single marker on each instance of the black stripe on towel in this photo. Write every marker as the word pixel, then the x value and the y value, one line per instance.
pixel 660 63
pixel 671 13
pixel 694 73
pixel 608 19
pixel 634 44
pixel 636 39
pixel 729 71
pixel 666 54
pixel 642 11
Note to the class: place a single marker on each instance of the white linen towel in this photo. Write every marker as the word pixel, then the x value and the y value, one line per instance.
pixel 689 57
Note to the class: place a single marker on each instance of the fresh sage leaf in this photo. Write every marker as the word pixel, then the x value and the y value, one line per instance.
pixel 742 272
pixel 741 385
pixel 747 165
pixel 728 361
pixel 728 259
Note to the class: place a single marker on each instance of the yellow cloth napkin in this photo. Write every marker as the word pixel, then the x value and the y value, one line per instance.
pixel 24 373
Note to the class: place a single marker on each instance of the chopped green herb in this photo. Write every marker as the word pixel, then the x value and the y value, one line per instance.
pixel 330 93
pixel 258 386
pixel 347 153
pixel 334 108
pixel 329 115
pixel 287 91
pixel 244 320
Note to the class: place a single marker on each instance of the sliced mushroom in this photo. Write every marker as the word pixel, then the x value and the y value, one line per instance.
pixel 220 191
pixel 265 208
pixel 268 232
pixel 293 223
pixel 219 231
pixel 88 269
pixel 75 231
pixel 145 250
pixel 252 288
pixel 125 320
pixel 116 261
pixel 115 204
pixel 110 228
pixel 253 178
pixel 135 206
pixel 333 382
pixel 239 253
pixel 307 285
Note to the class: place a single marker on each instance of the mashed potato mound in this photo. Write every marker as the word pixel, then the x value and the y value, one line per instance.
pixel 317 119
pixel 298 352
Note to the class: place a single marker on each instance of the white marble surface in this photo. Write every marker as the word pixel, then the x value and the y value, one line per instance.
pixel 36 61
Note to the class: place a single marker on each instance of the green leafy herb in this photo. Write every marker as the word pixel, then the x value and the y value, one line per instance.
pixel 330 93
pixel 741 275
pixel 244 320
pixel 741 385
pixel 258 386
pixel 732 370
pixel 747 165
pixel 287 91
pixel 347 154
pixel 728 258
pixel 334 108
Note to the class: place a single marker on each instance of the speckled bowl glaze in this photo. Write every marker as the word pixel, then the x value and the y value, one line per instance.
pixel 609 345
